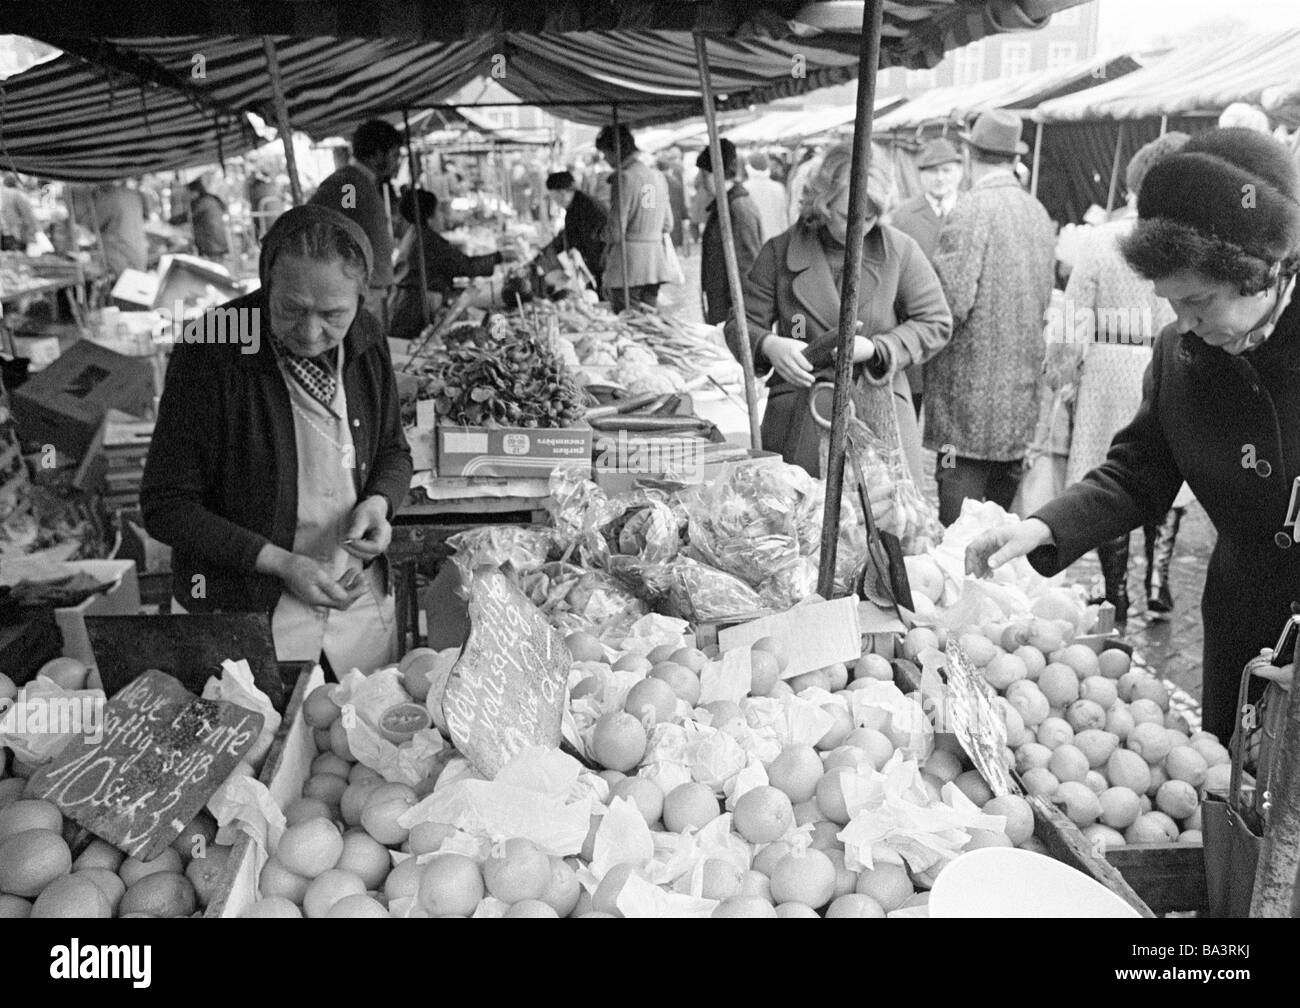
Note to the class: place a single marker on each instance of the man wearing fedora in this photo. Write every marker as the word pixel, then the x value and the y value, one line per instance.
pixel 995 259
pixel 921 217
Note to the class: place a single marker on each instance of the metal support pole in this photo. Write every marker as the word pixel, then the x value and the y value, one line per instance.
pixel 868 61
pixel 1113 191
pixel 423 280
pixel 723 209
pixel 282 118
pixel 1164 125
pixel 1038 151
pixel 616 205
pixel 1279 858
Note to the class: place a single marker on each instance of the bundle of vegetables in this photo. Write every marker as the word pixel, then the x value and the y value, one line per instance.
pixel 500 378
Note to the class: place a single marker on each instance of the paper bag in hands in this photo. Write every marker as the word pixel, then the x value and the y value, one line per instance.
pixel 236 686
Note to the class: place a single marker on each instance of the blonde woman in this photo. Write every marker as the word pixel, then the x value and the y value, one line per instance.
pixel 792 304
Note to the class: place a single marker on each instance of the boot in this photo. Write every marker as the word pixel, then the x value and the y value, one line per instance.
pixel 1160 552
pixel 1114 569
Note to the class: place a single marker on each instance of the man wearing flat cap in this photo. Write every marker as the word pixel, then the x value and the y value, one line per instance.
pixel 995 261
pixel 939 164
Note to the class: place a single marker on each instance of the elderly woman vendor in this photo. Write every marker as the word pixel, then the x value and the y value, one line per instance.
pixel 278 461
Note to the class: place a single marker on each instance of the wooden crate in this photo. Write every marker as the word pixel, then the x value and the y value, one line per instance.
pixel 1154 879
pixel 287 766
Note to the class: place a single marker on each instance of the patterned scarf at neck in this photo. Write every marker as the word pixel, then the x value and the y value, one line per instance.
pixel 315 375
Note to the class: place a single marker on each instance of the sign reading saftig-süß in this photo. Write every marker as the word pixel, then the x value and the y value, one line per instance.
pixel 162 754
pixel 507 689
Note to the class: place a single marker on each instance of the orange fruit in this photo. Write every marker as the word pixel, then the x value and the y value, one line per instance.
pixel 318 709
pixel 353 801
pixel 518 870
pixel 302 809
pixel 763 814
pixel 690 806
pixel 68 673
pixel 531 908
pixel 807 878
pixel 855 905
pixel 163 894
pixel 839 731
pixel 30 814
pixel 71 896
pixel 427 837
pixel 404 881
pixel 1113 663
pixel 310 848
pixel 563 888
pixel 796 771
pixel 277 881
pixel 356 905
pixel 651 699
pixel 109 884
pixel 684 682
pixel 417 669
pixel 689 657
pixel 327 787
pixel 744 906
pixel 451 884
pixel 133 869
pixel 764 671
pixel 644 794
pixel 972 785
pixel 327 889
pixel 770 645
pixel 887 884
pixel 399 723
pixel 722 879
pixel 797 910
pixel 365 857
pixel 274 908
pixel 633 662
pixel 383 808
pixel 205 873
pixel 1019 816
pixel 618 741
pixel 830 796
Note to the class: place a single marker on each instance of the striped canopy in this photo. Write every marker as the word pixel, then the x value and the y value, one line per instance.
pixel 131 94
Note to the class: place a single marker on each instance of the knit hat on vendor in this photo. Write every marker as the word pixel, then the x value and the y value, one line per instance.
pixel 1235 186
pixel 302 229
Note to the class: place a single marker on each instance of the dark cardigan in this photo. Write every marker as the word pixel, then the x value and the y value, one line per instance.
pixel 221 479
pixel 1230 427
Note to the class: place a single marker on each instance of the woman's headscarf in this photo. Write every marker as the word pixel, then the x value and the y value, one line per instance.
pixel 292 224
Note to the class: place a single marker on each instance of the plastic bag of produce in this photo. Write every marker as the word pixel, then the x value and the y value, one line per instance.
pixel 575 597
pixel 517 549
pixel 760 523
pixel 696 592
pixel 873 462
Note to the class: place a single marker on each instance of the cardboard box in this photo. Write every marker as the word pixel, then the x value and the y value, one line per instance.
pixel 64 404
pixel 179 278
pixel 510 451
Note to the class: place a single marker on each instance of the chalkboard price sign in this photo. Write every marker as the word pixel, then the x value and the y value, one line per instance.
pixel 161 755
pixel 506 691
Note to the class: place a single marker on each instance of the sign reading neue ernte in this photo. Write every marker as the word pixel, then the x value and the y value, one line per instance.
pixel 506 691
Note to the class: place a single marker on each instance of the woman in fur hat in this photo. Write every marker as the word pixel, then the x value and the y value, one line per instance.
pixel 1218 233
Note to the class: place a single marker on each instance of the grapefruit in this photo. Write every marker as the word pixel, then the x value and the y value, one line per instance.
pixel 400 722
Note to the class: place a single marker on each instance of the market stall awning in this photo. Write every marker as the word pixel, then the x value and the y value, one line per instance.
pixel 332 83
pixel 1022 91
pixel 1200 79
pixel 790 126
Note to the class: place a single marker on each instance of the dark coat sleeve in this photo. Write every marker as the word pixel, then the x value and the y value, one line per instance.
pixel 1136 484
pixel 390 476
pixel 183 467
pixel 760 306
pixel 443 261
pixel 926 324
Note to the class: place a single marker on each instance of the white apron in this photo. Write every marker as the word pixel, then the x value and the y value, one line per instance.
pixel 362 637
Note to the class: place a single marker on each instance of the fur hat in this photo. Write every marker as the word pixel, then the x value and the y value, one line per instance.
pixel 1234 185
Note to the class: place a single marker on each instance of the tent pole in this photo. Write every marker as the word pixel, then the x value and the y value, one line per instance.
pixel 418 225
pixel 1164 125
pixel 616 205
pixel 723 210
pixel 282 118
pixel 1038 151
pixel 868 62
pixel 1113 191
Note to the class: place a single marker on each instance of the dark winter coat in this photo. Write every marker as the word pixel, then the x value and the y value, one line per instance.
pixel 1230 427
